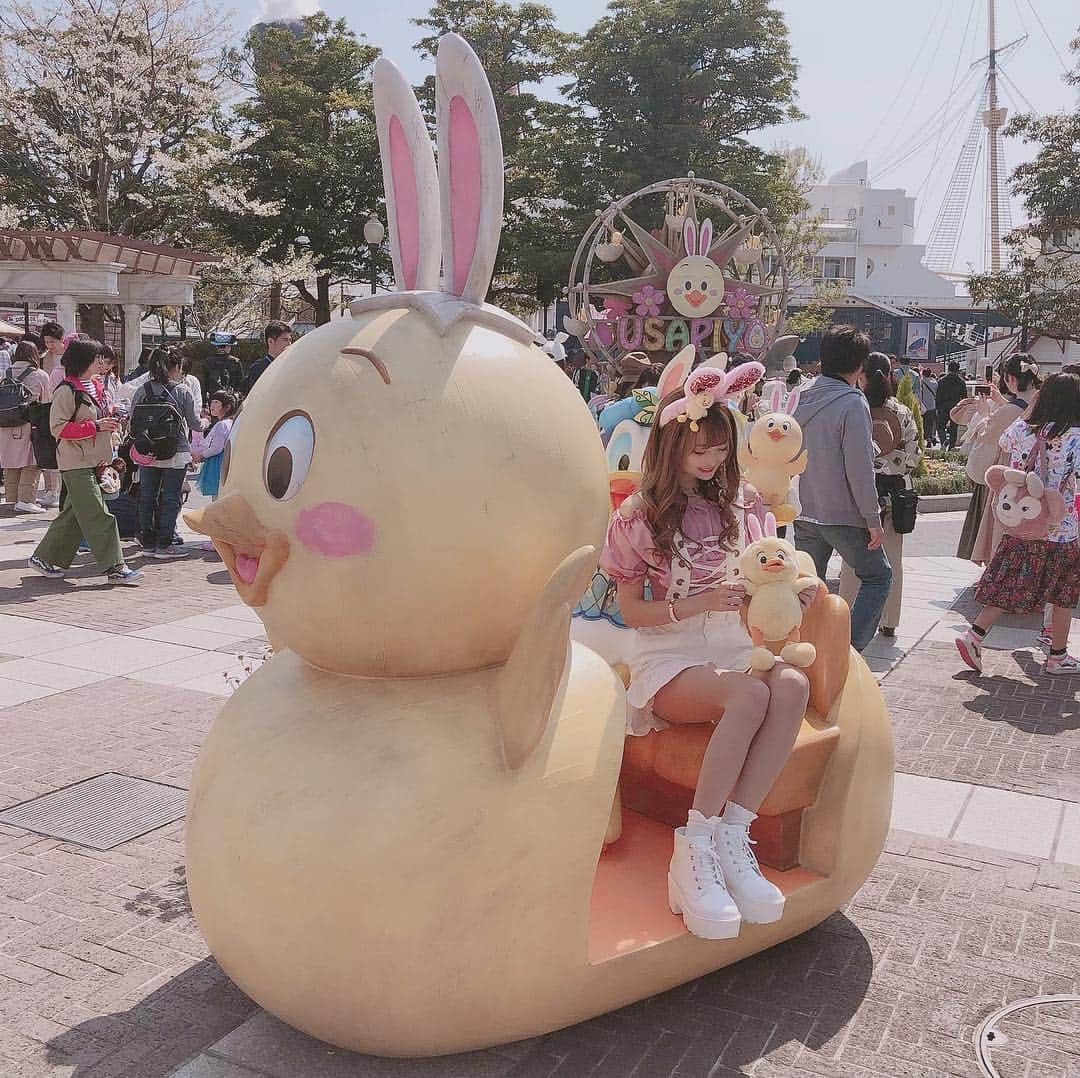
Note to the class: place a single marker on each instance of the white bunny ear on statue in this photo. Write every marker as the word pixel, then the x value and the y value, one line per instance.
pixel 776 397
pixel 409 179
pixel 690 236
pixel 470 170
pixel 706 237
pixel 793 401
pixel 753 527
pixel 676 372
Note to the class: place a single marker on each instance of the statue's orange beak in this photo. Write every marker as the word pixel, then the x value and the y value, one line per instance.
pixel 776 435
pixel 252 553
pixel 775 565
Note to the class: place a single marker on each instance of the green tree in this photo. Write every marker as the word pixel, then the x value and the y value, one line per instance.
pixel 520 47
pixel 308 150
pixel 673 85
pixel 1043 288
pixel 905 394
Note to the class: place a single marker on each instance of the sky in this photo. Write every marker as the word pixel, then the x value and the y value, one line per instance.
pixel 874 78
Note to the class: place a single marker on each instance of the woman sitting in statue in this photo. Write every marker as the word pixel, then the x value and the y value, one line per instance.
pixel 681 535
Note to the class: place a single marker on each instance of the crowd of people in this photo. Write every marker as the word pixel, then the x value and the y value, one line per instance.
pixel 116 456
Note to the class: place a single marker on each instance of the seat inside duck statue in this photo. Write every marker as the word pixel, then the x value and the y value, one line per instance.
pixel 659 776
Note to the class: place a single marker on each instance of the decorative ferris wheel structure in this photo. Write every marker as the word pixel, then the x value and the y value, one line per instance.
pixel 712 273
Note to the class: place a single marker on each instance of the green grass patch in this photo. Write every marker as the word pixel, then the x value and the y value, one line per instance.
pixel 944 474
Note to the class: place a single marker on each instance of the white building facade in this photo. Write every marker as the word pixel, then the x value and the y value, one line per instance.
pixel 870 247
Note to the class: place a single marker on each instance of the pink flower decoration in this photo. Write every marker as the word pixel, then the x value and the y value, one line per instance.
pixel 648 300
pixel 739 303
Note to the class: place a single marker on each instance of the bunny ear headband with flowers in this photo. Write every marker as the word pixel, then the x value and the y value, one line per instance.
pixel 708 386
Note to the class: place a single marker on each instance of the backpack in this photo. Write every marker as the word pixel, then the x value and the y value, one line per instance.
pixel 156 423
pixel 14 400
pixel 1024 506
pixel 41 437
pixel 887 433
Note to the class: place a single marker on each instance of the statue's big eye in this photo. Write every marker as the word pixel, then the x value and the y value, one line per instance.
pixel 763 558
pixel 288 454
pixel 688 286
pixel 704 286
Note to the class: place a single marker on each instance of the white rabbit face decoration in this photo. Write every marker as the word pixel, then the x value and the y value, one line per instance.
pixel 402 483
pixel 696 284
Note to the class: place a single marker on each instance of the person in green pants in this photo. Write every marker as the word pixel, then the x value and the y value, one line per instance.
pixel 83 440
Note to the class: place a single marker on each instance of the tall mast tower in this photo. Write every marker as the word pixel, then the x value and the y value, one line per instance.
pixel 993 120
pixel 984 144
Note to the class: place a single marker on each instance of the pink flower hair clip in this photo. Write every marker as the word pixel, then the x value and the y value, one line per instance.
pixel 708 386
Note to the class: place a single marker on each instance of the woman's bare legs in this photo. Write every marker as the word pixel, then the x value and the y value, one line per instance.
pixel 1061 622
pixel 703 694
pixel 788 693
pixel 987 617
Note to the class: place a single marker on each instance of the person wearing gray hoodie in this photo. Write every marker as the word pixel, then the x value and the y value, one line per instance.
pixel 837 491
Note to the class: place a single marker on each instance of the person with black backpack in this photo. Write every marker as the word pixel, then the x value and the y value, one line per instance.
pixel 23 385
pixel 83 441
pixel 162 413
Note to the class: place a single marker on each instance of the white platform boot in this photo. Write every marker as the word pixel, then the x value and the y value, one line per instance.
pixel 759 901
pixel 696 885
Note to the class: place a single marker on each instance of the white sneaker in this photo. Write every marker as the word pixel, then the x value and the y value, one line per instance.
pixel 50 500
pixel 1061 666
pixel 696 889
pixel 28 507
pixel 969 644
pixel 759 901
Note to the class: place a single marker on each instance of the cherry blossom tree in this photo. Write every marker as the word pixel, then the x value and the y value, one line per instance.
pixel 110 114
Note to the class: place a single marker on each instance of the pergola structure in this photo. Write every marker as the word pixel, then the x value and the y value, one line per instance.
pixel 69 268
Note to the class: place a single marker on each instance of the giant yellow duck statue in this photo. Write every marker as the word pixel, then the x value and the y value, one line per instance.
pixel 395 826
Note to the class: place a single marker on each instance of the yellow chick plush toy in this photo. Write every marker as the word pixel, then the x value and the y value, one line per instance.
pixel 773 579
pixel 772 453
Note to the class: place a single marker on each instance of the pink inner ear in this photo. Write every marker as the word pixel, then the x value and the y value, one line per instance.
pixel 465 181
pixel 690 236
pixel 406 203
pixel 706 238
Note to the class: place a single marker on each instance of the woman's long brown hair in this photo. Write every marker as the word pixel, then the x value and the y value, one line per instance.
pixel 662 495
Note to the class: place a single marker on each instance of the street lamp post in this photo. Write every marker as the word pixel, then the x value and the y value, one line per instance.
pixel 374 233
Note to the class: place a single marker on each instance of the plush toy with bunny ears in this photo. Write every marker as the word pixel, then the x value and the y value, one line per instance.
pixel 773 579
pixel 772 454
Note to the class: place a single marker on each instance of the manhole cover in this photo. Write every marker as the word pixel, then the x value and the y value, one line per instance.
pixel 1041 1030
pixel 101 812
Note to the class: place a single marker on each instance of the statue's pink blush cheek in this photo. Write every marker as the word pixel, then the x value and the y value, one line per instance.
pixel 335 529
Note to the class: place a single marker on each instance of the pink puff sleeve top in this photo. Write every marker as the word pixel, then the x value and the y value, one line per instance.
pixel 629 552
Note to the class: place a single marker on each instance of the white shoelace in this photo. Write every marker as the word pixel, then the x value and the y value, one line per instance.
pixel 703 858
pixel 738 845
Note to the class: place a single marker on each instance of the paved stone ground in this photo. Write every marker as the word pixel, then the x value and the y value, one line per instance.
pixel 939 936
pixel 1010 727
pixel 103 973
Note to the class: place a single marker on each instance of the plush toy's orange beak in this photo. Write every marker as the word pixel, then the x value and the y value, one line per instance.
pixel 775 565
pixel 621 485
pixel 776 435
